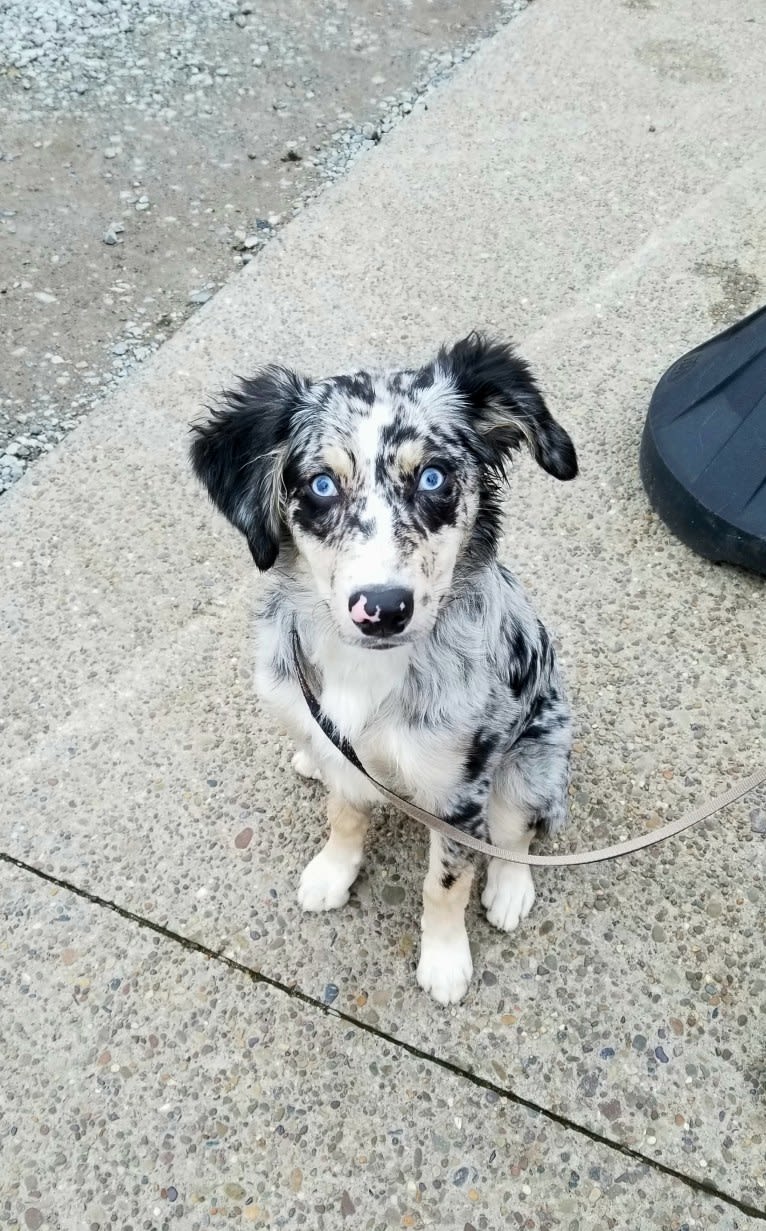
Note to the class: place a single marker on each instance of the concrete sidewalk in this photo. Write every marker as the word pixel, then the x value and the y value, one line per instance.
pixel 592 184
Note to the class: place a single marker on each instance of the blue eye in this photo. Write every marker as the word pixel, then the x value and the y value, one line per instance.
pixel 323 486
pixel 431 479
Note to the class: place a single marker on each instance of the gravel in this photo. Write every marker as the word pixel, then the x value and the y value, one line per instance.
pixel 152 147
pixel 86 41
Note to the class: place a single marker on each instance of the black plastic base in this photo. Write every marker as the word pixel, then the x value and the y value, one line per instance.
pixel 703 452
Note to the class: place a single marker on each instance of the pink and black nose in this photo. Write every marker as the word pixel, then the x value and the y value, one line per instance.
pixel 382 612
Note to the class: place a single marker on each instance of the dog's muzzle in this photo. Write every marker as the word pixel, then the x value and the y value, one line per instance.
pixel 381 612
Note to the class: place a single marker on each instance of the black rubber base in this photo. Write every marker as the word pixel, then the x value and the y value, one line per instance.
pixel 703 452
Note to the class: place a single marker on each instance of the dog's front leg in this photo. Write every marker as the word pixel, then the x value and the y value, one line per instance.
pixel 445 966
pixel 327 879
pixel 304 764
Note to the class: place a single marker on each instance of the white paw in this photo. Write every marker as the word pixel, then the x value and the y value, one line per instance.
pixel 303 764
pixel 508 894
pixel 326 881
pixel 445 968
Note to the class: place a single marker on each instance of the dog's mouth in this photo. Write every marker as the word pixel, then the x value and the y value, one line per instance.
pixel 383 643
pixel 391 642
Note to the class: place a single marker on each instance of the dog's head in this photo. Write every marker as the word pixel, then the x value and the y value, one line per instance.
pixel 382 485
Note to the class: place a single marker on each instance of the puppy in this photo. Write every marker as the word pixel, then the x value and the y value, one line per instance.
pixel 379 497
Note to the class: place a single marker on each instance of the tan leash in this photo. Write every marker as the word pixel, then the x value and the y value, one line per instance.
pixel 700 813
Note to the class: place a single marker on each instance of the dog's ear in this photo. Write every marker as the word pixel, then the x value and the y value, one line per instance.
pixel 505 404
pixel 239 454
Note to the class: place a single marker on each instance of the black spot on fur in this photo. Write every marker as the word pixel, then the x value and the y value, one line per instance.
pixel 522 661
pixel 483 745
pixel 358 385
pixel 465 814
pixel 454 855
pixel 448 880
pixel 546 649
pixel 543 719
pixel 383 462
pixel 533 727
pixel 423 379
pixel 320 520
pixel 534 731
pixel 393 435
pixel 359 526
pixel 397 381
pixel 432 510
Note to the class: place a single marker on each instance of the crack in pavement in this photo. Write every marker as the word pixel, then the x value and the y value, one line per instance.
pixel 697 1185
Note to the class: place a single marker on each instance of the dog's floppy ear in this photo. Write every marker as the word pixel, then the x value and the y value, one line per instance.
pixel 506 405
pixel 239 453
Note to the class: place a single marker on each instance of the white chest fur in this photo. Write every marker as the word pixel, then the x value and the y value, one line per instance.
pixel 357 682
pixel 360 695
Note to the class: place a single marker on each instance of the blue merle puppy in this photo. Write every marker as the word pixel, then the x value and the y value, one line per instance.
pixel 379 497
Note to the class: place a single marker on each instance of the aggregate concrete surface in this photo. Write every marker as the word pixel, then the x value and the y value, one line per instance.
pixel 610 1053
pixel 150 147
pixel 166 1089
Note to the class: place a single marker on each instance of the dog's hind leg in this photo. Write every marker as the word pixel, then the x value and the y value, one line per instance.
pixel 327 879
pixel 509 892
pixel 529 796
pixel 445 966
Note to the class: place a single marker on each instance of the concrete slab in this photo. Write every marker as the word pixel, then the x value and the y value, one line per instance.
pixel 146 1085
pixel 656 978
pixel 633 1002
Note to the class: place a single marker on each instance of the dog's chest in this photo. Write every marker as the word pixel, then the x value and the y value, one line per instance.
pixel 362 699
pixel 355 688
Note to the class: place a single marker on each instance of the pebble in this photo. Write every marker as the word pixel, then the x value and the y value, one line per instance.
pixel 758 821
pixel 393 895
pixel 611 1110
pixel 11 467
pixel 201 296
pixel 330 994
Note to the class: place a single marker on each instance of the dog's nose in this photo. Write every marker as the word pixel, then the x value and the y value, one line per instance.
pixel 382 612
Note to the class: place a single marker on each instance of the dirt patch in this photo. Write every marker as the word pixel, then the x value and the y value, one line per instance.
pixel 145 158
pixel 739 290
pixel 681 61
